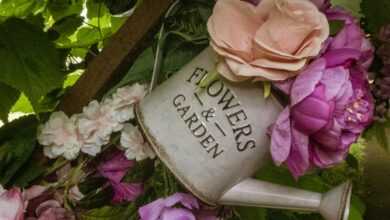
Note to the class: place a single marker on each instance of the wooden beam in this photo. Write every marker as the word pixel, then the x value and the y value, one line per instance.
pixel 106 69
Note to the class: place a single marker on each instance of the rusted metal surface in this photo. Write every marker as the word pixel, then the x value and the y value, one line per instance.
pixel 106 69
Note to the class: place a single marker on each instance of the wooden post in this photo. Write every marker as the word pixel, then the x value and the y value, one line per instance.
pixel 106 69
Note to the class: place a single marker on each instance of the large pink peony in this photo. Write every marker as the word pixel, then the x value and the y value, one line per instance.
pixel 269 41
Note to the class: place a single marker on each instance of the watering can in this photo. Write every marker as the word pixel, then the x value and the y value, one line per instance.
pixel 214 139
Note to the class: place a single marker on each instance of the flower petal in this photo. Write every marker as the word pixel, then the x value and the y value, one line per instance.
pixel 298 161
pixel 152 211
pixel 306 82
pixel 177 214
pixel 126 192
pixel 281 137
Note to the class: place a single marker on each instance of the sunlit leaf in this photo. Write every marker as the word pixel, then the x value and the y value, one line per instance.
pixel 29 61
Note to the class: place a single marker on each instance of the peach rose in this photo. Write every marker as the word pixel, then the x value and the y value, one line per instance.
pixel 271 41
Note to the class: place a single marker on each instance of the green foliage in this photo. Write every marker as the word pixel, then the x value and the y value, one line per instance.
pixel 376 14
pixel 98 26
pixel 351 5
pixel 378 134
pixel 59 9
pixel 8 97
pixel 29 61
pixel 20 8
pixel 251 213
pixel 16 149
pixel 111 212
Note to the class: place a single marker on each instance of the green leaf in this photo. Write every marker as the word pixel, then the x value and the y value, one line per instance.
pixel 20 8
pixel 251 213
pixel 351 5
pixel 17 148
pixel 378 133
pixel 59 9
pixel 110 212
pixel 376 14
pixel 267 89
pixel 100 25
pixel 28 173
pixel 29 61
pixel 22 105
pixel 8 97
pixel 140 71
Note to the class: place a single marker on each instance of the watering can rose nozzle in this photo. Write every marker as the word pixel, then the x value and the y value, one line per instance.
pixel 333 205
pixel 213 140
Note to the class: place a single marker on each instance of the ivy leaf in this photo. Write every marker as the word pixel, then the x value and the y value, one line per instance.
pixel 376 14
pixel 29 61
pixel 351 5
pixel 8 97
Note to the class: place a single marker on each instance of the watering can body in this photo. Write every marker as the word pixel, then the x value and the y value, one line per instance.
pixel 215 138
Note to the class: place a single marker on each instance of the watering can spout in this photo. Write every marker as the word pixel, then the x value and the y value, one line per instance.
pixel 333 205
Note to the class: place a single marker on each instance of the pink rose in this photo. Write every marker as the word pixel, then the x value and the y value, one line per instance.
pixel 11 205
pixel 270 41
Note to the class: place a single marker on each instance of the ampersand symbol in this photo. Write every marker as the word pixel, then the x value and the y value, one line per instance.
pixel 208 114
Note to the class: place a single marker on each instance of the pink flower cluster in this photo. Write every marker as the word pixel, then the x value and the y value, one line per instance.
pixel 89 131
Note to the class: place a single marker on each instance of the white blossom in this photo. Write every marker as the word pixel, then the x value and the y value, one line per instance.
pixel 124 99
pixel 134 144
pixel 60 137
pixel 96 124
pixel 2 190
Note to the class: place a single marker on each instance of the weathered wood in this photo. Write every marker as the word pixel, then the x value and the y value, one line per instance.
pixel 109 66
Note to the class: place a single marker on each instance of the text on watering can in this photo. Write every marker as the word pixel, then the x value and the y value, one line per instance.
pixel 231 108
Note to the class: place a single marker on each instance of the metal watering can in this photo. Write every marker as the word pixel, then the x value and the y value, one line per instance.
pixel 213 140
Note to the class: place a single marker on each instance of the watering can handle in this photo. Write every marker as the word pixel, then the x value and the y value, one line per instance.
pixel 333 205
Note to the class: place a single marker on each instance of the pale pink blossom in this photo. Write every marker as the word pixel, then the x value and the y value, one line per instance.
pixel 75 194
pixel 96 124
pixel 60 137
pixel 134 144
pixel 272 40
pixel 124 99
pixel 11 204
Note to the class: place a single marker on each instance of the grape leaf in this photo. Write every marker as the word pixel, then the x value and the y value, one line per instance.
pixel 376 14
pixel 8 97
pixel 29 61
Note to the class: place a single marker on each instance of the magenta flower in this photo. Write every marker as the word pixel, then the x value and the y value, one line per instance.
pixel 349 42
pixel 179 206
pixel 114 170
pixel 330 107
